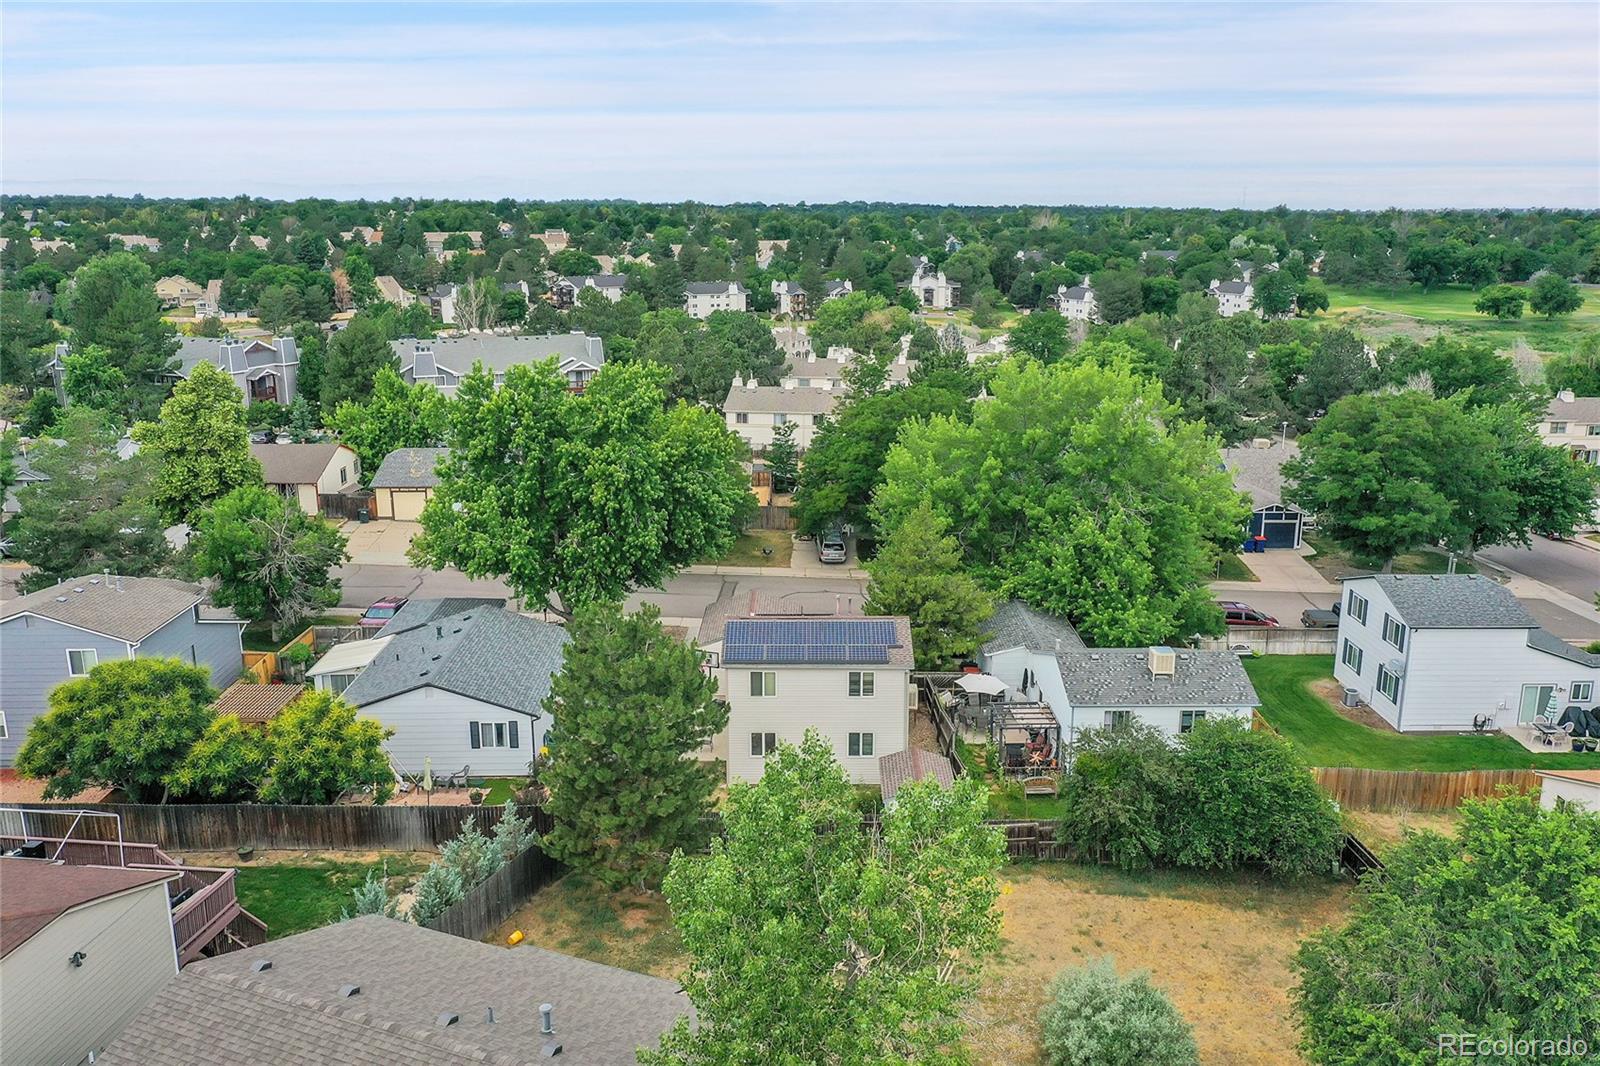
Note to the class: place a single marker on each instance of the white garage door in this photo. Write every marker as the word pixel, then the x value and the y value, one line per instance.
pixel 408 505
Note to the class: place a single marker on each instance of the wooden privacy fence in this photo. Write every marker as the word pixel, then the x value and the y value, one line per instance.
pixel 499 896
pixel 770 517
pixel 1275 641
pixel 1032 840
pixel 262 666
pixel 1417 790
pixel 225 826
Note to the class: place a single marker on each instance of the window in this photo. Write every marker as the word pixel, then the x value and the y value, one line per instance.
pixel 492 734
pixel 1394 631
pixel 763 683
pixel 861 682
pixel 344 475
pixel 1582 691
pixel 81 660
pixel 1352 657
pixel 1189 718
pixel 1557 428
pixel 861 744
pixel 337 683
pixel 1118 718
pixel 742 418
pixel 1389 685
pixel 780 419
pixel 1594 431
pixel 1357 607
pixel 3 733
pixel 763 744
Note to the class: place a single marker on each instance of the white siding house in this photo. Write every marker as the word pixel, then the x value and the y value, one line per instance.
pixel 1078 302
pixel 1573 423
pixel 1233 297
pixel 1578 787
pixel 701 299
pixel 308 472
pixel 753 411
pixel 933 290
pixel 1437 653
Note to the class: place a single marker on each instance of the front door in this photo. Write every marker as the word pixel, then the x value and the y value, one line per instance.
pixel 1535 700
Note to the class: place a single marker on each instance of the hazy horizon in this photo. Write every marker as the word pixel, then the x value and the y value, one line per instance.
pixel 1344 107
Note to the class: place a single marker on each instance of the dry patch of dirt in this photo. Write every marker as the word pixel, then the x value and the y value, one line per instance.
pixel 1382 830
pixel 1331 692
pixel 577 916
pixel 277 857
pixel 1220 948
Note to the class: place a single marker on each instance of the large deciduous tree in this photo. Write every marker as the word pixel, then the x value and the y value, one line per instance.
pixel 127 725
pixel 113 305
pixel 576 499
pixel 318 749
pixel 1080 491
pixel 271 561
pixel 918 573
pixel 1501 301
pixel 1554 295
pixel 1490 932
pixel 631 705
pixel 200 445
pixel 1042 335
pixel 354 358
pixel 94 512
pixel 813 941
pixel 396 415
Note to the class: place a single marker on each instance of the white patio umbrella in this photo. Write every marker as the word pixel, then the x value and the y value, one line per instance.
pixel 986 684
pixel 427 773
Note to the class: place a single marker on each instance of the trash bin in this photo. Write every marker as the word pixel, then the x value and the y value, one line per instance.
pixel 363 515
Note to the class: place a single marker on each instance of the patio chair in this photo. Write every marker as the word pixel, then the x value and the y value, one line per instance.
pixel 457 779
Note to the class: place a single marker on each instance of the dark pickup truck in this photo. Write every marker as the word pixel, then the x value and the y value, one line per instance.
pixel 1317 618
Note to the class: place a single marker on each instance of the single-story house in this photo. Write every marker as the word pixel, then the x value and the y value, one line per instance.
pixel 1257 470
pixel 421 611
pixel 466 689
pixel 1437 652
pixel 307 472
pixel 377 990
pixel 63 632
pixel 256 704
pixel 1578 787
pixel 443 361
pixel 405 482
pixel 83 949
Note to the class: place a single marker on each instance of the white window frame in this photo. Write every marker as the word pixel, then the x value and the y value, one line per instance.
pixel 1356 607
pixel 1345 655
pixel 1120 716
pixel 1558 429
pixel 863 684
pixel 766 742
pixel 4 732
pixel 1393 680
pixel 766 681
pixel 1587 687
pixel 1188 717
pixel 780 419
pixel 334 686
pixel 861 745
pixel 82 651
pixel 741 418
pixel 1394 632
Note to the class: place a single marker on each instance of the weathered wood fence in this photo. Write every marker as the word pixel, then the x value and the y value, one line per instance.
pixel 225 826
pixel 771 517
pixel 1032 840
pixel 1417 790
pixel 1275 641
pixel 499 896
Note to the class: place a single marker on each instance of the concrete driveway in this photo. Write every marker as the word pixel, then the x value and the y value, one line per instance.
pixel 380 543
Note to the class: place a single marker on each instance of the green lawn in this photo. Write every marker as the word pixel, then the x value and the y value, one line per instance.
pixel 258 635
pixel 1006 798
pixel 499 789
pixel 1414 312
pixel 294 897
pixel 747 550
pixel 1326 738
pixel 1334 564
pixel 1234 568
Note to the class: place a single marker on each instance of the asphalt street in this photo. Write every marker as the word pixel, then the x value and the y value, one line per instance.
pixel 1560 564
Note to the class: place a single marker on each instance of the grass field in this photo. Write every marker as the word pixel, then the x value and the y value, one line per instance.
pixel 1234 568
pixel 1412 312
pixel 1327 738
pixel 1333 564
pixel 296 895
pixel 747 550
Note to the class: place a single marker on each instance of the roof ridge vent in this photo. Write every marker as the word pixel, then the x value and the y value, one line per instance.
pixel 346 991
pixel 261 966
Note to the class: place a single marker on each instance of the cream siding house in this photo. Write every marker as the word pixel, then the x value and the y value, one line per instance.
pixel 1573 423
pixel 405 482
pixel 753 412
pixel 702 299
pixel 933 290
pixel 1443 652
pixel 175 290
pixel 85 948
pixel 791 298
pixel 1581 788
pixel 390 290
pixel 308 472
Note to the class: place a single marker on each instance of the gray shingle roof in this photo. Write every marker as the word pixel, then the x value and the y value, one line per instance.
pixel 599 281
pixel 491 655
pixel 1120 677
pixel 1258 472
pixel 294 464
pixel 220 1013
pixel 500 353
pixel 422 611
pixel 1453 601
pixel 409 468
pixel 1547 642
pixel 1016 625
pixel 1233 288
pixel 768 399
pixel 123 608
pixel 1579 409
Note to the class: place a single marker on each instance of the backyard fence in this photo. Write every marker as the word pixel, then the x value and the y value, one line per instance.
pixel 225 826
pixel 771 517
pixel 1275 641
pixel 498 898
pixel 1032 840
pixel 345 506
pixel 1417 790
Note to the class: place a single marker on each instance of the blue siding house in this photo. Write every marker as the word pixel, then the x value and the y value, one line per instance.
pixel 59 633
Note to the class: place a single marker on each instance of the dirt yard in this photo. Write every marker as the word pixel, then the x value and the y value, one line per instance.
pixel 1220 947
pixel 1382 830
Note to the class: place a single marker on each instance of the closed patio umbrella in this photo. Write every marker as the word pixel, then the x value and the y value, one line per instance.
pixel 985 684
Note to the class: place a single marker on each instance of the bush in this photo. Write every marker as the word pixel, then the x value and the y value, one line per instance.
pixel 513 834
pixel 1095 1018
pixel 437 890
pixel 1117 794
pixel 473 855
pixel 372 897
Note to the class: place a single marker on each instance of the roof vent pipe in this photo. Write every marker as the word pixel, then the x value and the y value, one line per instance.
pixel 547 1024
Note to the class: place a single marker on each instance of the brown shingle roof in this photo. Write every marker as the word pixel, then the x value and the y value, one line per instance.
pixel 256 703
pixel 123 608
pixel 294 464
pixel 913 764
pixel 38 892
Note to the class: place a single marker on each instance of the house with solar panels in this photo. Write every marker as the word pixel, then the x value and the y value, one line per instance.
pixel 846 677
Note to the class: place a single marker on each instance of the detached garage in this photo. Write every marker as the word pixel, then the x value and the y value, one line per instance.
pixel 405 482
pixel 1257 470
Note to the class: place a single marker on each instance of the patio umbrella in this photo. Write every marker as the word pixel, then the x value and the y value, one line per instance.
pixel 982 683
pixel 427 773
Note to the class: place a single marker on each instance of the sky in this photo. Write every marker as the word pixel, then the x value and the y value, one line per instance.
pixel 1348 105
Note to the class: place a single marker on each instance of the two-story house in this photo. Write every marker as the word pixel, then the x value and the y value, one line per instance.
pixel 1233 297
pixel 702 299
pixel 61 633
pixel 443 361
pixel 1078 302
pixel 265 369
pixel 933 290
pixel 753 411
pixel 306 473
pixel 1449 652
pixel 847 677
pixel 391 291
pixel 834 288
pixel 434 241
pixel 175 290
pixel 791 298
pixel 1572 422
pixel 565 292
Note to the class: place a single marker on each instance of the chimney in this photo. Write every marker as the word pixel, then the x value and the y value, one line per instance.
pixel 547 1023
pixel 738 381
pixel 1566 396
pixel 1163 662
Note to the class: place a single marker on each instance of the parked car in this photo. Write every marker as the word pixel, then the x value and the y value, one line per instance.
pixel 832 547
pixel 1242 614
pixel 1318 618
pixel 377 616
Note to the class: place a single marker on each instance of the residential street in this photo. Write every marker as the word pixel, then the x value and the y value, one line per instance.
pixel 1561 564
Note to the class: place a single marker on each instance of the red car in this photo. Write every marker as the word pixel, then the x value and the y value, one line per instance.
pixel 377 616
pixel 1242 614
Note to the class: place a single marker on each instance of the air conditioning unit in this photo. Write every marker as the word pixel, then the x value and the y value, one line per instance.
pixel 1352 697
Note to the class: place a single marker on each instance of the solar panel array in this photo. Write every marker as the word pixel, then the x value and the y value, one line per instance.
pixel 811 640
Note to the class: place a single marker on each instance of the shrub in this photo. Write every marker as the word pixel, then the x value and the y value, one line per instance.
pixel 1095 1018
pixel 372 897
pixel 437 890
pixel 513 834
pixel 473 855
pixel 1116 795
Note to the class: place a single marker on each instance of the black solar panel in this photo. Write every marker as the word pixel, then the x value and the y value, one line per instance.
pixel 810 640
